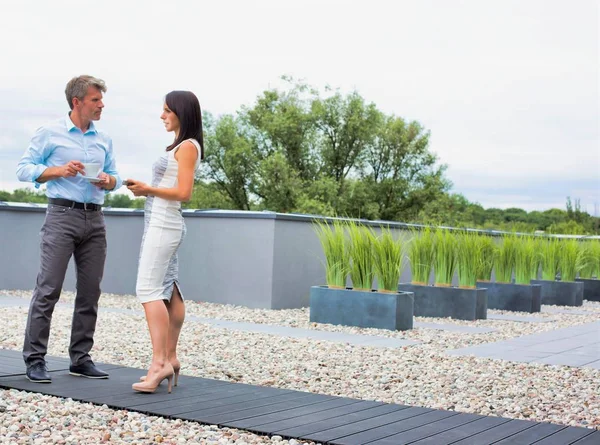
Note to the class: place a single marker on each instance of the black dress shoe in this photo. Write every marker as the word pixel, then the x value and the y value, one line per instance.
pixel 89 370
pixel 38 373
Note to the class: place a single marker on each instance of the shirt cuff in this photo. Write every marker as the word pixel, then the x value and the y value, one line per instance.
pixel 37 172
pixel 118 183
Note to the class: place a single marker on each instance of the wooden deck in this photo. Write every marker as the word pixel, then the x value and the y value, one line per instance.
pixel 290 414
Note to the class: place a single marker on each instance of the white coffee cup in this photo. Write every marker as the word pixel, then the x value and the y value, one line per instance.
pixel 91 169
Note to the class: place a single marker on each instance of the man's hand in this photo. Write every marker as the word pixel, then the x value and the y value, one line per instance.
pixel 105 182
pixel 70 169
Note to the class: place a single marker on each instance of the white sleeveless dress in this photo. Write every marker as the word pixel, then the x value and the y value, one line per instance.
pixel 164 229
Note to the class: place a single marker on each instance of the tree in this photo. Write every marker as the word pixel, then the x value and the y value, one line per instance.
pixel 282 122
pixel 278 184
pixel 347 127
pixel 401 169
pixel 567 228
pixel 230 159
pixel 118 200
pixel 515 215
pixel 26 195
pixel 208 195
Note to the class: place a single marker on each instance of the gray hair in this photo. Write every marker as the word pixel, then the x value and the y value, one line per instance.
pixel 78 87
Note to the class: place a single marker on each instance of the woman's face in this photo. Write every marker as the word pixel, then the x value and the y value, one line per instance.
pixel 170 119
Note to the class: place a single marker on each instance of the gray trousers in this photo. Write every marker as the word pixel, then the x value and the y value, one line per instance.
pixel 67 232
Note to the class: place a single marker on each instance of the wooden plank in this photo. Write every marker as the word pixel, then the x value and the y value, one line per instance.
pixel 411 434
pixel 187 395
pixel 63 380
pixel 17 366
pixel 11 358
pixel 25 385
pixel 216 399
pixel 533 434
pixel 247 424
pixel 592 439
pixel 12 368
pixel 326 424
pixel 229 406
pixel 462 431
pixel 224 415
pixel 134 399
pixel 11 354
pixel 371 434
pixel 396 417
pixel 567 436
pixel 120 394
pixel 310 419
pixel 497 433
pixel 53 363
pixel 20 381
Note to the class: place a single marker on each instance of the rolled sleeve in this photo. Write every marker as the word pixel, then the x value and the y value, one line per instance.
pixel 32 164
pixel 110 167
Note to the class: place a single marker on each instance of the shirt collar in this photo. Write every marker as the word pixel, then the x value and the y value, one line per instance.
pixel 70 125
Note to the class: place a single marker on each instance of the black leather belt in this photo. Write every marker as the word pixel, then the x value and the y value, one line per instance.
pixel 75 205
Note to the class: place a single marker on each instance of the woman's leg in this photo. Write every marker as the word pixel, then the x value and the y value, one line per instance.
pixel 176 312
pixel 157 317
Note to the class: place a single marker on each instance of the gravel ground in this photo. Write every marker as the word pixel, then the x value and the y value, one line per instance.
pixel 419 375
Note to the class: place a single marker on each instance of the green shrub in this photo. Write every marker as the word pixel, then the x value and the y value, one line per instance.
pixel 420 254
pixel 591 253
pixel 388 256
pixel 571 259
pixel 334 243
pixel 487 258
pixel 505 260
pixel 361 256
pixel 526 260
pixel 444 257
pixel 469 249
pixel 548 252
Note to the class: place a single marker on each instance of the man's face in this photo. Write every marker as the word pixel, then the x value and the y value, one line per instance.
pixel 90 108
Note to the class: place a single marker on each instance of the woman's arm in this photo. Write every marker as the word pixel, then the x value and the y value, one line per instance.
pixel 186 157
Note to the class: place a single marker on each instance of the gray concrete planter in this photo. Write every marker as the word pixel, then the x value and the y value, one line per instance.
pixel 591 288
pixel 513 297
pixel 455 302
pixel 361 308
pixel 561 293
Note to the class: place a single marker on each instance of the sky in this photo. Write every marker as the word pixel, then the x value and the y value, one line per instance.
pixel 509 89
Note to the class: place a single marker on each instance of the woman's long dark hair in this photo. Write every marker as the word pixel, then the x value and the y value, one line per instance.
pixel 186 107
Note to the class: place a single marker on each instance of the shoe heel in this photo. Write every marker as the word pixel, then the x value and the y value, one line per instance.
pixel 176 377
pixel 170 381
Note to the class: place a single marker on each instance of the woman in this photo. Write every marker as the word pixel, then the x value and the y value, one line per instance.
pixel 157 281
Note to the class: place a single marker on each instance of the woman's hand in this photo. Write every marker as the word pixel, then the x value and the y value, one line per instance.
pixel 138 188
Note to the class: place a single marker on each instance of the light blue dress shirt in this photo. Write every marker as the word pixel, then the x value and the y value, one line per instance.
pixel 58 143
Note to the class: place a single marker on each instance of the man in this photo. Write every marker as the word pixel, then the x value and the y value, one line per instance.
pixel 74 224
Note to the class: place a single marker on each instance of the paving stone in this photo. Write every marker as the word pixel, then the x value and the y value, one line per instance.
pixel 595 365
pixel 555 310
pixel 519 318
pixel 454 327
pixel 566 359
pixel 572 346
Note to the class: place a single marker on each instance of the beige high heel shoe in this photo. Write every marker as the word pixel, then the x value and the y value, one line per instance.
pixel 176 368
pixel 150 385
